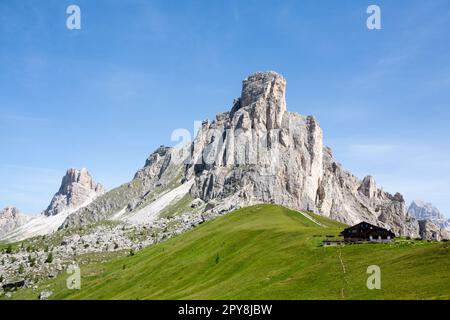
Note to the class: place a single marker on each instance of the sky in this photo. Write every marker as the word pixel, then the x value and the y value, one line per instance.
pixel 107 95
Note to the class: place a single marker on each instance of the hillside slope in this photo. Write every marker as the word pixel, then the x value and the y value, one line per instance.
pixel 263 252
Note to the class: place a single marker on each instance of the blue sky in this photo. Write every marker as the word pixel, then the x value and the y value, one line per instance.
pixel 104 97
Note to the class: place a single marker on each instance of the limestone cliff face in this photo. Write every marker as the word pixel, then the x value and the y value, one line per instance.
pixel 260 152
pixel 10 219
pixel 77 190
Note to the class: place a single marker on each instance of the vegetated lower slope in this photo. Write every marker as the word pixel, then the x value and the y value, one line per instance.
pixel 264 252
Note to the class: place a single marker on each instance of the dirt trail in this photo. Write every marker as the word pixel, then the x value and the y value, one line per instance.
pixel 344 271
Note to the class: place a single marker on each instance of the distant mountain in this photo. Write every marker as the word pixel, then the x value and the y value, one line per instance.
pixel 427 211
pixel 77 190
pixel 11 218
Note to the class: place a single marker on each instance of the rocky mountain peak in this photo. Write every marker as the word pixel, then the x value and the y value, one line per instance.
pixel 260 153
pixel 264 95
pixel 77 190
pixel 11 218
pixel 9 212
pixel 78 177
pixel 266 86
pixel 424 210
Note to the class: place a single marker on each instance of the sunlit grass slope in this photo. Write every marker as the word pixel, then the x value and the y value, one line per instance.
pixel 264 252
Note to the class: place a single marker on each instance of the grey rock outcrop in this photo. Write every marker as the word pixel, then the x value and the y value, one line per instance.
pixel 431 231
pixel 44 295
pixel 11 219
pixel 77 190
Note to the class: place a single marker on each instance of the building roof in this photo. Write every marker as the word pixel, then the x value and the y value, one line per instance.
pixel 367 227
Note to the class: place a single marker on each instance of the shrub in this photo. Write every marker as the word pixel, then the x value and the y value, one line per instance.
pixel 9 249
pixel 32 261
pixel 217 259
pixel 49 258
pixel 132 253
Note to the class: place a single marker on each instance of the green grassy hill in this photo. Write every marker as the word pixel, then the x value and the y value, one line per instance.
pixel 264 252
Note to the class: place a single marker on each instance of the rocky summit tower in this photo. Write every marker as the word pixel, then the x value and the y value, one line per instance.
pixel 77 190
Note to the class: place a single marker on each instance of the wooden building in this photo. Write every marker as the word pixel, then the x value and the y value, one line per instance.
pixel 366 232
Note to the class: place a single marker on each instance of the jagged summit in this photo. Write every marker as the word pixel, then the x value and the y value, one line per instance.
pixel 9 211
pixel 11 218
pixel 77 190
pixel 263 92
pixel 426 211
pixel 269 86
